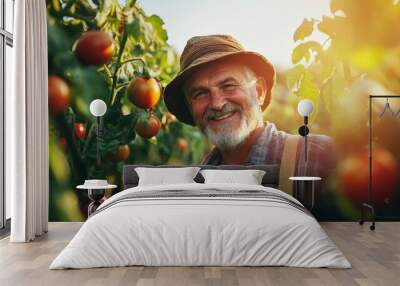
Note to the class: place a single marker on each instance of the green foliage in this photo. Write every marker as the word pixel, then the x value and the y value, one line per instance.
pixel 361 46
pixel 361 34
pixel 304 30
pixel 304 50
pixel 301 82
pixel 141 49
pixel 293 76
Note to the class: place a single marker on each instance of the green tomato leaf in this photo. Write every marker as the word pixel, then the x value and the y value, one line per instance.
pixel 87 84
pixel 303 51
pixel 304 30
pixel 133 29
pixel 130 3
pixel 160 32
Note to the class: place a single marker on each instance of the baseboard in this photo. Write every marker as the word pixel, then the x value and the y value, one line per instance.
pixel 5 231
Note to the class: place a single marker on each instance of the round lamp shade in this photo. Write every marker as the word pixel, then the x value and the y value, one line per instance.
pixel 98 107
pixel 305 107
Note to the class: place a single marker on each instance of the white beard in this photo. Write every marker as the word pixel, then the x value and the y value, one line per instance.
pixel 227 137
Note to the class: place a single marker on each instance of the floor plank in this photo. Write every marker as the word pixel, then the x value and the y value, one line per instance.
pixel 375 257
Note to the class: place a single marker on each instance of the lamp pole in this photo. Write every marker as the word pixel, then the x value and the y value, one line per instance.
pixel 305 108
pixel 98 108
pixel 98 135
pixel 305 138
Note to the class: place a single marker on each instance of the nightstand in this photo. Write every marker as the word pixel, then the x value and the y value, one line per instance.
pixel 304 190
pixel 96 190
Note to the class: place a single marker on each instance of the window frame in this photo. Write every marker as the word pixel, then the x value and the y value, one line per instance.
pixel 6 39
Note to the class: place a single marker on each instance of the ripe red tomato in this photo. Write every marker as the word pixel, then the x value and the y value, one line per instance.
pixel 59 94
pixel 354 176
pixel 148 128
pixel 80 130
pixel 183 145
pixel 143 92
pixel 122 153
pixel 95 48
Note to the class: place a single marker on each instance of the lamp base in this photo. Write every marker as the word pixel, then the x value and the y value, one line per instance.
pixel 95 195
pixel 368 206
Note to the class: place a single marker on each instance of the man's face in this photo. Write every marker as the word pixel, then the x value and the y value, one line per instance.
pixel 225 100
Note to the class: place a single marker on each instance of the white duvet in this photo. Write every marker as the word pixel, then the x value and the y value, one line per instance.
pixel 188 231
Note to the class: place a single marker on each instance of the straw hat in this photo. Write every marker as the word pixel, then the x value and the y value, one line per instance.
pixel 201 50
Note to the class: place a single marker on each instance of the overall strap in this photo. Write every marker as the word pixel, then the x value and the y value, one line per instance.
pixel 288 163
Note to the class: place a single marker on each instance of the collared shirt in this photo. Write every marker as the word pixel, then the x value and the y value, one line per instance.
pixel 268 149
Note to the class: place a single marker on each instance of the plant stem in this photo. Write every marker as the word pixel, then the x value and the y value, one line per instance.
pixel 119 88
pixel 134 60
pixel 77 160
pixel 88 139
pixel 108 71
pixel 88 20
pixel 115 75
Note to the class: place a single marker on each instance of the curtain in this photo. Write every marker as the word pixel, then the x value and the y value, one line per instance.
pixel 27 124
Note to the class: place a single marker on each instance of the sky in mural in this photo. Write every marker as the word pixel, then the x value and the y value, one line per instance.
pixel 264 26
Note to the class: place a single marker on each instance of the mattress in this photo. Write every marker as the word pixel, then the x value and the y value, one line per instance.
pixel 201 225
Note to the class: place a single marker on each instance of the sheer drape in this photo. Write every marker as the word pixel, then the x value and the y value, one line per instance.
pixel 27 124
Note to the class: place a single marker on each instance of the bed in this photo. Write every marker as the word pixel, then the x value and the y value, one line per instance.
pixel 201 224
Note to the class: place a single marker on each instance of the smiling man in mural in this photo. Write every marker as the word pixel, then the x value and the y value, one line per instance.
pixel 223 90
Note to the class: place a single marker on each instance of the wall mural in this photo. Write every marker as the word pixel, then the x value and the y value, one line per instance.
pixel 114 51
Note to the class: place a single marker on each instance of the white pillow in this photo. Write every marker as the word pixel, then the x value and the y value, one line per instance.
pixel 249 177
pixel 162 176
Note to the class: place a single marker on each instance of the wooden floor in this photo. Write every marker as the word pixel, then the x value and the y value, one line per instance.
pixel 375 257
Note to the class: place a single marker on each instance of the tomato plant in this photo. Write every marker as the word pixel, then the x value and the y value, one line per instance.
pixel 327 69
pixel 112 51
